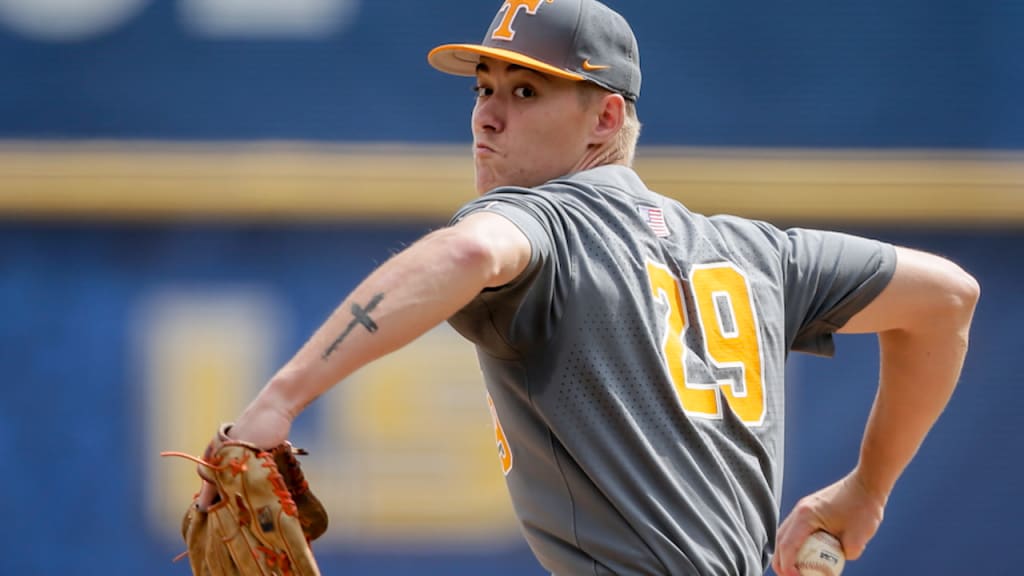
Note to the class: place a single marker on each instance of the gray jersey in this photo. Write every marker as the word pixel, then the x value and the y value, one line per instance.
pixel 635 371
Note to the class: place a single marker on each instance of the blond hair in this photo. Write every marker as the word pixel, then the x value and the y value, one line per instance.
pixel 629 134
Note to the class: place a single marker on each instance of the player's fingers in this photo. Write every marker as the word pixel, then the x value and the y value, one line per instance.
pixel 207 495
pixel 854 542
pixel 785 560
pixel 793 532
pixel 852 547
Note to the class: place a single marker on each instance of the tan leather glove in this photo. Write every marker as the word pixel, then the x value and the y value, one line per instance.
pixel 263 517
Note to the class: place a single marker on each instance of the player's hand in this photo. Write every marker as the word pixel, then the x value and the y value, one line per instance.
pixel 261 424
pixel 846 509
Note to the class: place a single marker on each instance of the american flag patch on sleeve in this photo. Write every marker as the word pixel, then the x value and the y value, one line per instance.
pixel 654 218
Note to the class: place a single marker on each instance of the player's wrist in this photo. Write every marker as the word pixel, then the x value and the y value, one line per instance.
pixel 872 486
pixel 264 423
pixel 282 396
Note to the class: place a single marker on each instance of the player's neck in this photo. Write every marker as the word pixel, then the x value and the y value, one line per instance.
pixel 599 155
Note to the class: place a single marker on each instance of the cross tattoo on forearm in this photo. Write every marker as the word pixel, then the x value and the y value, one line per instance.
pixel 361 316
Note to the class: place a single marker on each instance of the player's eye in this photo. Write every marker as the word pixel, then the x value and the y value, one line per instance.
pixel 524 92
pixel 482 91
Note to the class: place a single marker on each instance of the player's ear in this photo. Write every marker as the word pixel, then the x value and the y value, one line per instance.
pixel 611 114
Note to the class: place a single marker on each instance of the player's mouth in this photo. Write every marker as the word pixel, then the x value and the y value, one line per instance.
pixel 480 149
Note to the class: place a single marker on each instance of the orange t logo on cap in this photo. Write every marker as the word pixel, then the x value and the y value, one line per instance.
pixel 512 8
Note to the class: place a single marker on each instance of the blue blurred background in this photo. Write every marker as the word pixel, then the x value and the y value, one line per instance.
pixel 188 187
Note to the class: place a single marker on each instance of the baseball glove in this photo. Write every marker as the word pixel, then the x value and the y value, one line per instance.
pixel 263 516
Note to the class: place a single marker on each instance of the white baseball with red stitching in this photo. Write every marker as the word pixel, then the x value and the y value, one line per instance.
pixel 821 555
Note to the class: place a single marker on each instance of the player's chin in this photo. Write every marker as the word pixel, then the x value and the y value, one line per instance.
pixel 486 179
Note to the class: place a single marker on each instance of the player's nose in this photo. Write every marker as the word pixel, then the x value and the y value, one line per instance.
pixel 488 116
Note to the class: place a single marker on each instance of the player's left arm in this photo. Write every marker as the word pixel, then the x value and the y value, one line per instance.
pixel 922 319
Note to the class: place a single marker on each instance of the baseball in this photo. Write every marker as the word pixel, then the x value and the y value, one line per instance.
pixel 821 555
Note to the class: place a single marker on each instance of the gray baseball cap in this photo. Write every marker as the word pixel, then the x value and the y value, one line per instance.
pixel 581 40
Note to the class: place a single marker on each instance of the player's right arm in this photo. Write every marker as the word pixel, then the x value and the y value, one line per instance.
pixel 405 297
pixel 922 319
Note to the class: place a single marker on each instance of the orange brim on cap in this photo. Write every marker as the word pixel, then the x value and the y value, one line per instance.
pixel 462 59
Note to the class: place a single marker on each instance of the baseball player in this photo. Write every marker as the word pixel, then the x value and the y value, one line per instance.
pixel 634 351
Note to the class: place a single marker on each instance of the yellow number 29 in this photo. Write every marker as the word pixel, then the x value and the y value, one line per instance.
pixel 724 313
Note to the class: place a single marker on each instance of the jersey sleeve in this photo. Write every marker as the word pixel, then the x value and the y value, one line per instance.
pixel 528 308
pixel 829 277
pixel 517 208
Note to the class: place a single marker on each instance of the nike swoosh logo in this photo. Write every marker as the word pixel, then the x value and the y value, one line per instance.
pixel 593 67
